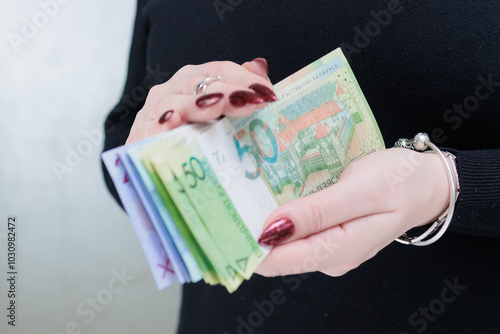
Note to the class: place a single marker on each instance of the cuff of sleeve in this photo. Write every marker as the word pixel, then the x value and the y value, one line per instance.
pixel 478 206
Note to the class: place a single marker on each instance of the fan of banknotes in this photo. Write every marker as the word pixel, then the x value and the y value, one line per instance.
pixel 198 195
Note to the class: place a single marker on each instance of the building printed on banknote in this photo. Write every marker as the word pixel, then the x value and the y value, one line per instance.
pixel 314 134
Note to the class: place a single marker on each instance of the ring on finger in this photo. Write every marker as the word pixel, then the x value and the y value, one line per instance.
pixel 201 86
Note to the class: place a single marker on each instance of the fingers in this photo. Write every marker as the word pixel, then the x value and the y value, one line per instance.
pixel 334 251
pixel 220 99
pixel 258 66
pixel 187 77
pixel 242 90
pixel 200 108
pixel 346 200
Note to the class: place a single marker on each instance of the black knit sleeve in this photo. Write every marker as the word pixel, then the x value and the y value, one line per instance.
pixel 121 118
pixel 478 206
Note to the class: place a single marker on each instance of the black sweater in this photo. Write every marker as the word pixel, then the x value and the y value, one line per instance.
pixel 430 66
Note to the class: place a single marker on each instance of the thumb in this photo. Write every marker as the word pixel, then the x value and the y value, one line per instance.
pixel 258 66
pixel 312 214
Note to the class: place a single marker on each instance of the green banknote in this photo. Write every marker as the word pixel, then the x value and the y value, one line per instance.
pixel 159 150
pixel 174 174
pixel 215 208
pixel 221 183
pixel 320 123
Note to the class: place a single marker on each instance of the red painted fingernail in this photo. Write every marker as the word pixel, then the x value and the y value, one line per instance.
pixel 263 61
pixel 166 115
pixel 241 98
pixel 208 100
pixel 267 94
pixel 277 232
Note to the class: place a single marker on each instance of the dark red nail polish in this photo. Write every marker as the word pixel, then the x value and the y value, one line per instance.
pixel 277 232
pixel 166 115
pixel 267 94
pixel 241 98
pixel 263 61
pixel 208 100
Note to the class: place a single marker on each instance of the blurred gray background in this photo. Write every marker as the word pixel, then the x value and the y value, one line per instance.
pixel 58 81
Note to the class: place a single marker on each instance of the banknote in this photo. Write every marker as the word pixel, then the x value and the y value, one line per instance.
pixel 187 265
pixel 198 183
pixel 217 183
pixel 157 152
pixel 237 171
pixel 320 123
pixel 155 212
pixel 220 270
pixel 157 258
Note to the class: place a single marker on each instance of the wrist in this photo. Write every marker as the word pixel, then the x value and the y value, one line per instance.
pixel 433 187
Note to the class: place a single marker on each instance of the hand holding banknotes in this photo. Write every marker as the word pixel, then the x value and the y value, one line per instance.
pixel 308 173
pixel 237 90
pixel 348 223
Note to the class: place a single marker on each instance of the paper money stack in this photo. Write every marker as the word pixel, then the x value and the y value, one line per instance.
pixel 198 196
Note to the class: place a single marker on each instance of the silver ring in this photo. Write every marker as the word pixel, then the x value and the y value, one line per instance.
pixel 201 86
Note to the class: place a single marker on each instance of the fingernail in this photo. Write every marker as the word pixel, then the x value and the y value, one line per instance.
pixel 208 100
pixel 277 232
pixel 241 98
pixel 166 115
pixel 267 94
pixel 263 61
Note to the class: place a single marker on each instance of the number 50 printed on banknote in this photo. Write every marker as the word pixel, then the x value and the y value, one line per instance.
pixel 220 181
pixel 320 123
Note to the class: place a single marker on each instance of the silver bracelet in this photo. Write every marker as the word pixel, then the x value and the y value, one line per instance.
pixel 420 143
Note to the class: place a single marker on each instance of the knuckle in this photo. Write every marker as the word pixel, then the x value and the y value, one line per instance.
pixel 154 110
pixel 318 209
pixel 217 67
pixel 155 90
pixel 187 69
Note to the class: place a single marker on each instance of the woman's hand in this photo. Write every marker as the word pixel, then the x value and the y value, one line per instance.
pixel 243 89
pixel 376 199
